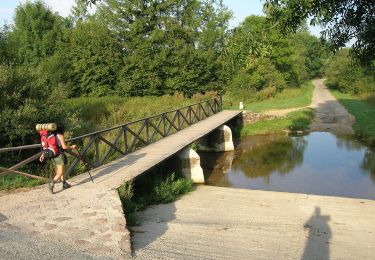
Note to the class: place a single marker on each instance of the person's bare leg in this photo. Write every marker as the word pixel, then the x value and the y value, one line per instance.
pixel 59 173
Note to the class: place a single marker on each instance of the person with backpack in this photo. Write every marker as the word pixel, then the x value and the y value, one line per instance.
pixel 53 147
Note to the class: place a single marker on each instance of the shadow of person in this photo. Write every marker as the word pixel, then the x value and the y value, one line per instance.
pixel 317 244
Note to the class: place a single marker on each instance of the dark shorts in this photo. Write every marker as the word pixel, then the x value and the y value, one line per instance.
pixel 60 160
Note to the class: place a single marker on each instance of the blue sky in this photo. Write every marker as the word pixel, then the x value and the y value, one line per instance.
pixel 240 8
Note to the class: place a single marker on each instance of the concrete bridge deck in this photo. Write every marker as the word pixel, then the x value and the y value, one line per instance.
pixel 86 220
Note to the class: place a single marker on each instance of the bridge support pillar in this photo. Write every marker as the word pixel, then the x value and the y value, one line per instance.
pixel 190 165
pixel 220 140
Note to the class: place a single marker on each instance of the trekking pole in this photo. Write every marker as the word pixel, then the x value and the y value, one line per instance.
pixel 85 163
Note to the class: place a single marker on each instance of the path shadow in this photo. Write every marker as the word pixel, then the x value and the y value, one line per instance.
pixel 2 218
pixel 317 245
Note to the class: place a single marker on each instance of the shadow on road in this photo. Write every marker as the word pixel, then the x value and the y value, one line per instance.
pixel 155 220
pixel 317 245
pixel 109 169
pixel 2 217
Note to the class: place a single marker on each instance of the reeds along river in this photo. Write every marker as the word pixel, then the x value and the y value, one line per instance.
pixel 319 163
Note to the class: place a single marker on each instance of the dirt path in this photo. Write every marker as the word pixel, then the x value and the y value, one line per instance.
pixel 282 112
pixel 330 115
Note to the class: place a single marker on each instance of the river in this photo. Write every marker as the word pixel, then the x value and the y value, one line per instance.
pixel 319 163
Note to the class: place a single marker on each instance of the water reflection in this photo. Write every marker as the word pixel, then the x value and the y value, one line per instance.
pixel 319 163
pixel 368 164
pixel 281 156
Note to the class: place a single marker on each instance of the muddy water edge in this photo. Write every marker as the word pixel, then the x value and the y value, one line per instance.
pixel 319 163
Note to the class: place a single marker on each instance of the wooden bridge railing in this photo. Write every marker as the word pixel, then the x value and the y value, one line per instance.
pixel 103 146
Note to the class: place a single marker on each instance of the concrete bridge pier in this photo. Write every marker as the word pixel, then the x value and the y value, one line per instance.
pixel 190 165
pixel 219 140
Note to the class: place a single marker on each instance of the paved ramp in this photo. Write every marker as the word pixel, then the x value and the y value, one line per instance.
pixel 227 223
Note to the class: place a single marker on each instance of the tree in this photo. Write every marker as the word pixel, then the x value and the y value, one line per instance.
pixel 344 20
pixel 255 40
pixel 167 45
pixel 36 31
pixel 94 57
pixel 345 76
pixel 4 45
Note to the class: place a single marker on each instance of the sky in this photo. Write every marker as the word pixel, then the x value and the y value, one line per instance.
pixel 240 9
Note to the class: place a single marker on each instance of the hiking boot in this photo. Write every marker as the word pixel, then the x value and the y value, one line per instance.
pixel 66 185
pixel 51 185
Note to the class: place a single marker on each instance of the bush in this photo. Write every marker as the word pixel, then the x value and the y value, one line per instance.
pixel 347 77
pixel 153 188
pixel 257 77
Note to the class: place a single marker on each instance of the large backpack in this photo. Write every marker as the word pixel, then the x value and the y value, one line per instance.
pixel 49 144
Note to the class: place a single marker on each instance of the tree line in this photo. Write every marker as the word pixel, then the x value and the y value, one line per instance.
pixel 142 48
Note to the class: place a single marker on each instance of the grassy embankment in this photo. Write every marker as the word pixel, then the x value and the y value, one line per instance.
pixel 364 112
pixel 289 98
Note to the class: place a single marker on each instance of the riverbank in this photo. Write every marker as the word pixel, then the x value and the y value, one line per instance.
pixel 288 111
pixel 363 111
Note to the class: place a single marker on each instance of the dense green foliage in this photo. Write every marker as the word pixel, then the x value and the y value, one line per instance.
pixel 138 48
pixel 257 58
pixel 36 31
pixel 347 77
pixel 344 20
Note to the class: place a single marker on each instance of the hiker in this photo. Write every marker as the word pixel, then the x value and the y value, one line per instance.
pixel 60 160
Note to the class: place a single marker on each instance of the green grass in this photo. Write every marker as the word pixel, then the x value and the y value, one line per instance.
pixel 15 181
pixel 364 113
pixel 288 98
pixel 294 121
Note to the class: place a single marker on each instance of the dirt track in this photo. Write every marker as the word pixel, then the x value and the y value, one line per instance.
pixel 330 115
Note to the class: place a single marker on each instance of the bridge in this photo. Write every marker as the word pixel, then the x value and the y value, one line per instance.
pixel 89 216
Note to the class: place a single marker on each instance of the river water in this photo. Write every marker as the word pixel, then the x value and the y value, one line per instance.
pixel 319 163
